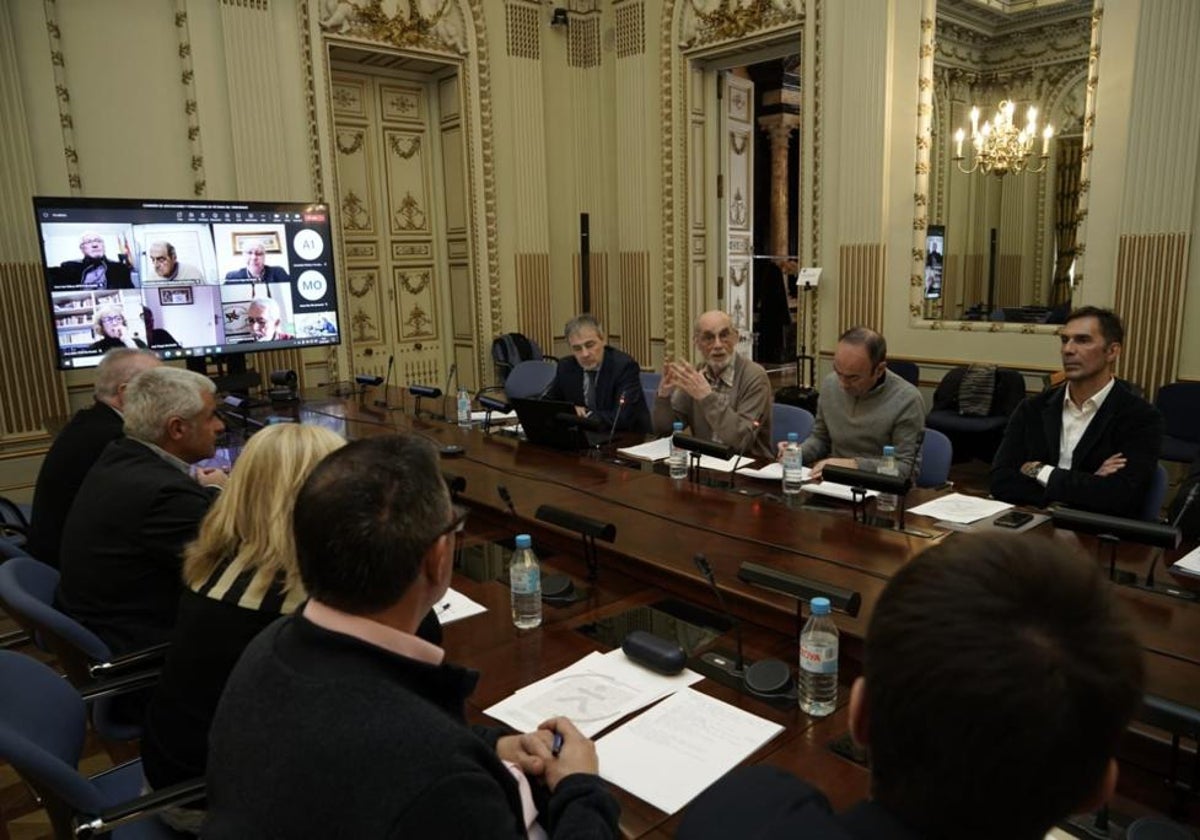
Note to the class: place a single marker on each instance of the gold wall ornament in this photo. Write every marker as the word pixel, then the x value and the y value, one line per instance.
pixel 409 216
pixel 414 144
pixel 422 282
pixel 355 214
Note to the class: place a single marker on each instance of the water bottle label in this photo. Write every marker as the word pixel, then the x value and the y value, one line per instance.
pixel 526 581
pixel 819 659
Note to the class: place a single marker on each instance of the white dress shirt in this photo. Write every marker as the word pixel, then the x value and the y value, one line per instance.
pixel 1075 422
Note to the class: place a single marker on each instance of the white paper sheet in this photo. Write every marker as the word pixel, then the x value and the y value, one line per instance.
pixel 1189 563
pixel 955 507
pixel 456 606
pixel 671 753
pixel 653 450
pixel 595 692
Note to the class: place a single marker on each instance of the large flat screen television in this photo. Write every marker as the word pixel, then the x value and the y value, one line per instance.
pixel 188 279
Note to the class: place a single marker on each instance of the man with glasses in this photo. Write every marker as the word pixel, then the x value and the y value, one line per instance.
pixel 863 408
pixel 346 710
pixel 95 270
pixel 726 400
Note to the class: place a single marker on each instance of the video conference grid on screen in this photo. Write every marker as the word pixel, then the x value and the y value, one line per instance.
pixel 186 278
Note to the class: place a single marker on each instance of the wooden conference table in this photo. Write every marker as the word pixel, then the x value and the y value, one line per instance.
pixel 660 525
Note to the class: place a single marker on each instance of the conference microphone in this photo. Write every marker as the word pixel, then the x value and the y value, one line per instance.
pixel 446 390
pixel 383 403
pixel 767 677
pixel 506 498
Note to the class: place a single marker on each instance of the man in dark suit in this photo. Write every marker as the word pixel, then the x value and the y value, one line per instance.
pixel 995 733
pixel 78 446
pixel 341 702
pixel 597 376
pixel 1092 444
pixel 95 270
pixel 257 270
pixel 122 544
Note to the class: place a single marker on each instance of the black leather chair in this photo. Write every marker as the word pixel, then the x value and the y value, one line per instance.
pixel 975 436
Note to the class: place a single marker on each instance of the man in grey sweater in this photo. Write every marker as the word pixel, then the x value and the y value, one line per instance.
pixel 863 408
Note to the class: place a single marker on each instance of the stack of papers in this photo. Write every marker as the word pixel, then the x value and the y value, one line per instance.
pixel 960 509
pixel 455 606
pixel 670 754
pixel 594 693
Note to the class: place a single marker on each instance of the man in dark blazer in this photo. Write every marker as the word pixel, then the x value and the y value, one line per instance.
pixel 78 446
pixel 996 733
pixel 122 545
pixel 1092 444
pixel 597 376
pixel 257 270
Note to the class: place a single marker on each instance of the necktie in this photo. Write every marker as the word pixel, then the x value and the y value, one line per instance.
pixel 589 389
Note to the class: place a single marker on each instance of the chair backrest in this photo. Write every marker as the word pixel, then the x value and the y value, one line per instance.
pixel 1156 495
pixel 910 372
pixel 27 590
pixel 529 379
pixel 509 350
pixel 42 724
pixel 789 418
pixel 937 452
pixel 650 380
pixel 1179 403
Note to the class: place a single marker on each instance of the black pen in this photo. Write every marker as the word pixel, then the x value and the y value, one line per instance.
pixel 556 747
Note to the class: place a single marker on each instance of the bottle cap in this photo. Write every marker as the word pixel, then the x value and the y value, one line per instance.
pixel 677 425
pixel 524 541
pixel 793 437
pixel 889 450
pixel 819 606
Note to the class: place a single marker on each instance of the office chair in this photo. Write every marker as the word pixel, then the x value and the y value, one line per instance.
pixel 530 379
pixel 27 589
pixel 937 453
pixel 42 727
pixel 789 418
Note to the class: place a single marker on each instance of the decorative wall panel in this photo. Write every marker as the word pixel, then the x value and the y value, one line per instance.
pixel 860 290
pixel 1152 274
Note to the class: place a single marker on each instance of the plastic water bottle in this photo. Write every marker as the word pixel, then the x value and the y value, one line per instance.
pixel 464 408
pixel 792 463
pixel 818 661
pixel 886 502
pixel 525 580
pixel 677 460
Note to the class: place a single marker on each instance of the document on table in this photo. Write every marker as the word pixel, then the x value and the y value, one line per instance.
pixel 1188 564
pixel 455 606
pixel 594 693
pixel 671 753
pixel 654 450
pixel 955 507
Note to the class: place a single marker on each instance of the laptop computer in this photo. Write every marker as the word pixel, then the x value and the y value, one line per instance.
pixel 552 423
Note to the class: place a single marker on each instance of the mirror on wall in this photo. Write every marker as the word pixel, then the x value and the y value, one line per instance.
pixel 1004 247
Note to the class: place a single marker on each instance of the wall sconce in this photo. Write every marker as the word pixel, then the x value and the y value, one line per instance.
pixel 559 17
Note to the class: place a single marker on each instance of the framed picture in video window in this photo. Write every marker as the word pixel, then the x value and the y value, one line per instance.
pixel 175 295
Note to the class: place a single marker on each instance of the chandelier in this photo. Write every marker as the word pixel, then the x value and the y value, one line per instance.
pixel 999 147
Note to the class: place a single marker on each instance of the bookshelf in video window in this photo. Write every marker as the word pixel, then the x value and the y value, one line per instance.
pixel 73 314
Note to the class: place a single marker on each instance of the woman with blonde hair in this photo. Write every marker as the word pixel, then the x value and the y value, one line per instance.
pixel 239 576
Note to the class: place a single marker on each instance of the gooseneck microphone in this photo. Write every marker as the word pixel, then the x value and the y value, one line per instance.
pixel 765 678
pixel 383 403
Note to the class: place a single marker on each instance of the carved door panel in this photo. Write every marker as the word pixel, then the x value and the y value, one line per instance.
pixel 737 163
pixel 386 182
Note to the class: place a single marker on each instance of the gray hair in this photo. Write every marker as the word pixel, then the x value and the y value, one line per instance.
pixel 155 396
pixel 117 367
pixel 583 322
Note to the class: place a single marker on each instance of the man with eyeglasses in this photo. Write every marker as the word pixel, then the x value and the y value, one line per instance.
pixel 95 270
pixel 863 408
pixel 167 268
pixel 727 399
pixel 345 709
pixel 264 319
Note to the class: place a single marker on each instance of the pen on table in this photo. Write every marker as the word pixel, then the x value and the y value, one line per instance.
pixel 556 747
